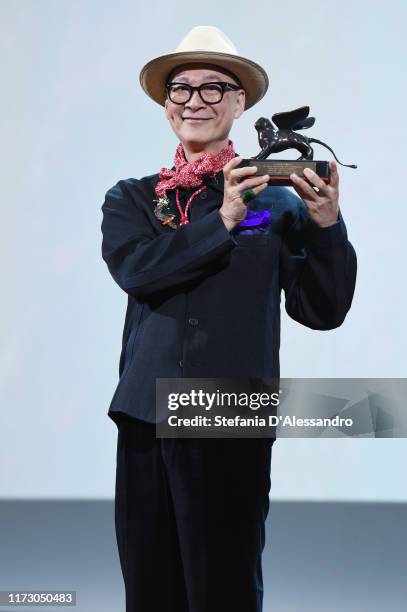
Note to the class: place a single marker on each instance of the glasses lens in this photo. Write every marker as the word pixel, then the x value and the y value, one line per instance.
pixel 211 93
pixel 179 93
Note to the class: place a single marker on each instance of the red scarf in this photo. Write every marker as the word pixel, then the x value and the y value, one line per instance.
pixel 191 174
pixel 187 175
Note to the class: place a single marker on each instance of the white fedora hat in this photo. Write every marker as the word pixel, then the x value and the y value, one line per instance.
pixel 208 45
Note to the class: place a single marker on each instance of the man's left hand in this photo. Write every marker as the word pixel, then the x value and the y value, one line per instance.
pixel 322 202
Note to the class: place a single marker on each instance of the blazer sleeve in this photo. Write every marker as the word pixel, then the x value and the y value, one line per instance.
pixel 143 263
pixel 317 271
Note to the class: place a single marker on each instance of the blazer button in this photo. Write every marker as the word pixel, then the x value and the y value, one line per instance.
pixel 204 195
pixel 193 321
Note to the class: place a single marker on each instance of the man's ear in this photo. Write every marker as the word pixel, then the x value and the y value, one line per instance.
pixel 240 103
pixel 166 108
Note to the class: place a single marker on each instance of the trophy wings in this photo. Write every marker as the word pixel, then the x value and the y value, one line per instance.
pixel 296 119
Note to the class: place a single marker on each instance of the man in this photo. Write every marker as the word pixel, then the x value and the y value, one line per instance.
pixel 203 275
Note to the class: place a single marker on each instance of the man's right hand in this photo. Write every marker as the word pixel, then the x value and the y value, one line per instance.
pixel 233 209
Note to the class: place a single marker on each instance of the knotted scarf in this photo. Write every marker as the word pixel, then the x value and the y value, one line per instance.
pixel 191 174
pixel 187 175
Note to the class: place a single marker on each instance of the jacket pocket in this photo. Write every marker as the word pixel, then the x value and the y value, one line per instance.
pixel 254 240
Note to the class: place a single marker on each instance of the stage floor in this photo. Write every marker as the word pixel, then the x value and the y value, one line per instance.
pixel 327 557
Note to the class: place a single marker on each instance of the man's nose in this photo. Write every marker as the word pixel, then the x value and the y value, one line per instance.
pixel 195 101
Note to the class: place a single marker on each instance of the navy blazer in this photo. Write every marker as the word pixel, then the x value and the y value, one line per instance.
pixel 205 302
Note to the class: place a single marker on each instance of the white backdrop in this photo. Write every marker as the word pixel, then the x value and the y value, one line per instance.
pixel 75 121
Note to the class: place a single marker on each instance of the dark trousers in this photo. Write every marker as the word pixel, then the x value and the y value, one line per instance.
pixel 190 520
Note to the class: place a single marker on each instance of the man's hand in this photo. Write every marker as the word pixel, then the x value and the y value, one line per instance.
pixel 323 206
pixel 233 209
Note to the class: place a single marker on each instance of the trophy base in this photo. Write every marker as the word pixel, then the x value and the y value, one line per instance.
pixel 280 169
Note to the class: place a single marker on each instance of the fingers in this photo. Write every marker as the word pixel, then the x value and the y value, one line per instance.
pixel 334 176
pixel 320 198
pixel 237 174
pixel 260 188
pixel 240 179
pixel 237 195
pixel 252 182
pixel 235 161
pixel 314 179
pixel 303 188
pixel 313 187
pixel 233 174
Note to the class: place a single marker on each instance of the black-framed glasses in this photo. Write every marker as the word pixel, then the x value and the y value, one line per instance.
pixel 210 93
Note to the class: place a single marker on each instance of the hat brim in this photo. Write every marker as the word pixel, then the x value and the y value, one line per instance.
pixel 252 77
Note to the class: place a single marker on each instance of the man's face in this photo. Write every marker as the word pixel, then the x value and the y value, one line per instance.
pixel 199 123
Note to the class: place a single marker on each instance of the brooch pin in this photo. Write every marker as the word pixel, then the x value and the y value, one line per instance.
pixel 164 213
